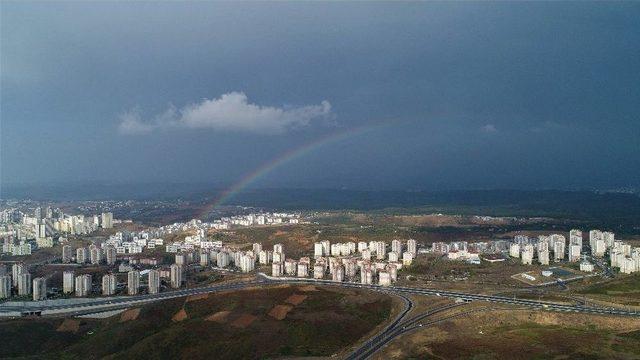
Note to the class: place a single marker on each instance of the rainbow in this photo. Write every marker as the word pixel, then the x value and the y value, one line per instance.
pixel 285 158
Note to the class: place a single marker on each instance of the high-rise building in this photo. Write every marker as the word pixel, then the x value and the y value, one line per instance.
pixel 527 254
pixel 176 276
pixel 223 259
pixel 154 282
pixel 5 286
pixel 574 252
pixel 276 269
pixel 381 250
pixel 16 270
pixel 133 282
pixel 110 253
pixel 109 284
pixel 317 250
pixel 24 284
pixel 67 254
pixel 82 255
pixel 279 248
pixel 181 259
pixel 204 259
pixel 396 246
pixel 42 230
pixel 412 247
pixel 107 220
pixel 83 285
pixel 39 289
pixel 68 278
pixel 96 255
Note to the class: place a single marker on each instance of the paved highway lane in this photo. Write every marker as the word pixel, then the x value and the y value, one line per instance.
pixel 263 280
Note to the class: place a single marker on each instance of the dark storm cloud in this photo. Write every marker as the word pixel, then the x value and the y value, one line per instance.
pixel 473 94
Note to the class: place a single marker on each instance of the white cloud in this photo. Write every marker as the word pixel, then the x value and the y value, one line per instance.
pixel 229 112
pixel 489 128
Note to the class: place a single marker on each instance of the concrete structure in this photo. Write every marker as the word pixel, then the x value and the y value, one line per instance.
pixel 204 259
pixel 5 286
pixel 24 284
pixel 514 250
pixel 83 285
pixel 106 220
pixel 133 282
pixel 39 289
pixel 527 255
pixel 574 252
pixel 67 254
pixel 16 270
pixel 82 255
pixel 223 259
pixel 396 246
pixel 303 269
pixel 338 273
pixel 559 249
pixel 278 248
pixel 247 262
pixel 317 250
pixel 412 247
pixel 154 282
pixel 366 276
pixel 95 255
pixel 384 278
pixel 68 282
pixel 277 269
pixel 265 257
pixel 407 258
pixel 318 271
pixel 176 276
pixel 543 257
pixel 110 255
pixel 181 259
pixel 586 266
pixel 290 267
pixel 109 284
pixel 381 250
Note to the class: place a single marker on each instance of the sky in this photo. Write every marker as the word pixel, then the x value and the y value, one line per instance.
pixel 428 95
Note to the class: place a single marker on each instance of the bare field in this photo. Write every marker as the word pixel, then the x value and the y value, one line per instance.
pixel 520 334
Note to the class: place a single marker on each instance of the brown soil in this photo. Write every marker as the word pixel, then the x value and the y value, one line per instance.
pixel 295 299
pixel 220 317
pixel 180 315
pixel 69 325
pixel 197 297
pixel 130 315
pixel 243 321
pixel 307 288
pixel 279 312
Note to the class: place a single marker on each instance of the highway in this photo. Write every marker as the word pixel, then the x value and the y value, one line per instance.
pixel 107 303
pixel 110 303
pixel 392 331
pixel 538 304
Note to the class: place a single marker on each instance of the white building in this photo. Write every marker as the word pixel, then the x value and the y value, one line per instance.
pixel 176 276
pixel 24 284
pixel 68 282
pixel 154 282
pixel 39 289
pixel 83 285
pixel 109 284
pixel 5 286
pixel 412 247
pixel 133 282
pixel 514 250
